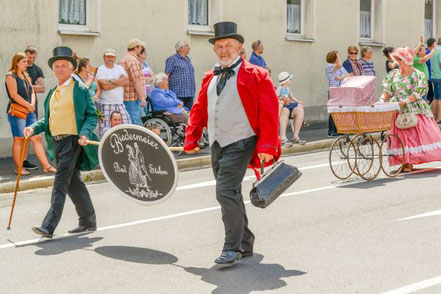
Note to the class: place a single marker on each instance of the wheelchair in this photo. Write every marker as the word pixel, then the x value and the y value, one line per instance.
pixel 173 134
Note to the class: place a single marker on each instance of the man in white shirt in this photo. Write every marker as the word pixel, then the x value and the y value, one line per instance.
pixel 112 79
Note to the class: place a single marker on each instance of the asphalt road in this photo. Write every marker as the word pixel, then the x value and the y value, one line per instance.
pixel 322 236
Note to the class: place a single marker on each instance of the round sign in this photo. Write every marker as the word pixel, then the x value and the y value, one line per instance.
pixel 138 164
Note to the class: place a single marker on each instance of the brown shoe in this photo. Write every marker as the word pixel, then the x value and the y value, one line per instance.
pixel 408 168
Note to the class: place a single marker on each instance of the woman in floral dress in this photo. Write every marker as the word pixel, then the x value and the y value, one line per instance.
pixel 407 86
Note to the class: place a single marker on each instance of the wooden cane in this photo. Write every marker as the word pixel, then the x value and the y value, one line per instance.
pixel 171 148
pixel 23 153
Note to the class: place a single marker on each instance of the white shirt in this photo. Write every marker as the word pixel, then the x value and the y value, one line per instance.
pixel 116 95
pixel 66 83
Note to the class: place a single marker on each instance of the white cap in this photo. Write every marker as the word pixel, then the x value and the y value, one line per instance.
pixel 109 52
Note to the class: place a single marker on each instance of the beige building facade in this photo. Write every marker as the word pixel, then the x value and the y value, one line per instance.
pixel 296 34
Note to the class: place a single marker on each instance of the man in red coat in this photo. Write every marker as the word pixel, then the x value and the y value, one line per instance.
pixel 238 105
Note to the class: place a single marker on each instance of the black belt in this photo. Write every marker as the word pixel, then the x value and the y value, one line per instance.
pixel 60 137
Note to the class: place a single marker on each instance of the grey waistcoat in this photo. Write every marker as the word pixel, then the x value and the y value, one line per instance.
pixel 227 120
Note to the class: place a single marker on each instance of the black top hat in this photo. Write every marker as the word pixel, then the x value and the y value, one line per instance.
pixel 224 30
pixel 62 53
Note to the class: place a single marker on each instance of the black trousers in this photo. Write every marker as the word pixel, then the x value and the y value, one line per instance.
pixel 430 92
pixel 229 167
pixel 68 181
pixel 332 129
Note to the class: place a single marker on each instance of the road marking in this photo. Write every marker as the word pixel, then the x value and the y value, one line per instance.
pixel 171 216
pixel 417 286
pixel 427 214
pixel 148 220
pixel 248 178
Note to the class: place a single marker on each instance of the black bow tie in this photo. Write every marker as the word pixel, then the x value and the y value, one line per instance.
pixel 225 73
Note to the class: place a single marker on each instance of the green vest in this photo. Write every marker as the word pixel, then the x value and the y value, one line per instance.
pixel 86 119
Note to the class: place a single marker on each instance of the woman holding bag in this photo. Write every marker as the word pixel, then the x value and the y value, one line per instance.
pixel 20 111
pixel 407 86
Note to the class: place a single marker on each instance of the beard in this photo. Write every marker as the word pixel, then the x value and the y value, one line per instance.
pixel 229 61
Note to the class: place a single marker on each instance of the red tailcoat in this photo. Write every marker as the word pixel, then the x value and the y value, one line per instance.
pixel 261 105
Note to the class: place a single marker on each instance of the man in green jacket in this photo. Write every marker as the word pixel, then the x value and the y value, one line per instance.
pixel 70 120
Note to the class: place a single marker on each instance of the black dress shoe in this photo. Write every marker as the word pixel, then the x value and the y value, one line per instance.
pixel 246 253
pixel 43 232
pixel 228 257
pixel 82 229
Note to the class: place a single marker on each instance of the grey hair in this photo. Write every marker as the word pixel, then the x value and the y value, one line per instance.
pixel 180 44
pixel 70 65
pixel 159 77
pixel 364 50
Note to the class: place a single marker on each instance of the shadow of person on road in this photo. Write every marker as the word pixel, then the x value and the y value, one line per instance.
pixel 136 254
pixel 62 245
pixel 248 275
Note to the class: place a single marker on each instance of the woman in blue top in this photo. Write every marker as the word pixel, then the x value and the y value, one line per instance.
pixel 165 100
pixel 335 74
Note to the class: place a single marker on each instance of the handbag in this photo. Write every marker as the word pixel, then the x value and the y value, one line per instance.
pixel 273 183
pixel 406 121
pixel 18 110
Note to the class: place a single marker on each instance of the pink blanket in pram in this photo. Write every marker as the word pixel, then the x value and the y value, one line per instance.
pixel 355 91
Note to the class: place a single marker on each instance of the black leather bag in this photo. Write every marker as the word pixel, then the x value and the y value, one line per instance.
pixel 273 183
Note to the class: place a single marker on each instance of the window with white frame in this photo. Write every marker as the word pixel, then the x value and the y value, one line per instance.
pixel 372 22
pixel 294 17
pixel 428 19
pixel 366 19
pixel 198 12
pixel 300 20
pixel 78 17
pixel 202 14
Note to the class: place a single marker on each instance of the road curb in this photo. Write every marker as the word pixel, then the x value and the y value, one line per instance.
pixel 183 164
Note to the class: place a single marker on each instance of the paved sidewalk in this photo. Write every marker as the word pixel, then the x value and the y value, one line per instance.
pixel 315 134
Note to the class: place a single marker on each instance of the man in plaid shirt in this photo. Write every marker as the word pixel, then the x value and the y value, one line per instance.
pixel 134 92
pixel 180 72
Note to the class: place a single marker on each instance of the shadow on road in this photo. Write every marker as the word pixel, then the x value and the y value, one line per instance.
pixel 417 173
pixel 62 245
pixel 136 254
pixel 246 276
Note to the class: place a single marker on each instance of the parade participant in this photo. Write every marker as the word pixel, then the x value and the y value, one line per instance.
pixel 237 138
pixel 70 119
pixel 407 86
